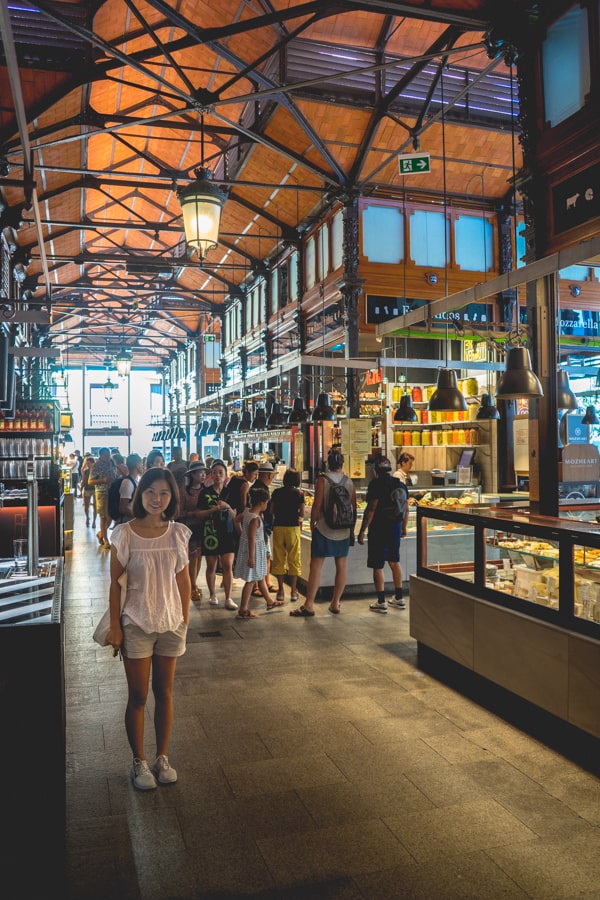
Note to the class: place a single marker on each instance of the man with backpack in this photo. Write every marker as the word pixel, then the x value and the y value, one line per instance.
pixel 332 519
pixel 121 491
pixel 385 517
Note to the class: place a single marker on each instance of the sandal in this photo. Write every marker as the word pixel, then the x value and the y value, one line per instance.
pixel 275 604
pixel 247 614
pixel 334 611
pixel 294 598
pixel 301 613
pixel 256 593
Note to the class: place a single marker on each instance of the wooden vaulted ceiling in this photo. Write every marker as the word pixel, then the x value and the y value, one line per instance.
pixel 100 110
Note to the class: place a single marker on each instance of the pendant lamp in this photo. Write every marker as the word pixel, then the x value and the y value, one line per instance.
pixel 590 417
pixel 222 426
pixel 405 412
pixel 323 411
pixel 447 395
pixel 518 379
pixel 299 413
pixel 487 410
pixel 277 417
pixel 259 422
pixel 565 398
pixel 245 420
pixel 234 421
pixel 212 428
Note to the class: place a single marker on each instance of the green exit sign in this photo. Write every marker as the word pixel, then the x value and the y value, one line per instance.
pixel 209 338
pixel 414 163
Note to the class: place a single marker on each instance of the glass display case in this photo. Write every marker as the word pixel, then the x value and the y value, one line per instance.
pixel 520 605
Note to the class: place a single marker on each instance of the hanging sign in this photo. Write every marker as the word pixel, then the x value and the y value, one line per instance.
pixel 356 445
pixel 414 163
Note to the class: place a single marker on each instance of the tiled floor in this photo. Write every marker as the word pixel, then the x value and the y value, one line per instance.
pixel 315 760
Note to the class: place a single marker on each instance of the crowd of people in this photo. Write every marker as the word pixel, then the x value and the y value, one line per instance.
pixel 167 518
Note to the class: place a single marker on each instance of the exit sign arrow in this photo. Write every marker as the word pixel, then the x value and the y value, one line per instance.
pixel 414 163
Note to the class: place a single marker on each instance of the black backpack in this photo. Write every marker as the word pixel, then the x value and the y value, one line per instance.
pixel 395 508
pixel 338 510
pixel 114 496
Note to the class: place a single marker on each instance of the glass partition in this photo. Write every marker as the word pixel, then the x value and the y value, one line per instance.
pixel 523 566
pixel 586 583
pixel 449 548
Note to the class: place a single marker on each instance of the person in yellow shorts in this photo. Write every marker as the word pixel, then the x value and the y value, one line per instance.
pixel 287 509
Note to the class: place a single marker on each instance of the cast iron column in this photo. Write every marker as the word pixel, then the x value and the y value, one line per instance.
pixel 350 287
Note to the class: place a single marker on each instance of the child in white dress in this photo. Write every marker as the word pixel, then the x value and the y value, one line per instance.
pixel 251 558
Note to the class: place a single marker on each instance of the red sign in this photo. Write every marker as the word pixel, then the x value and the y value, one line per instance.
pixel 373 376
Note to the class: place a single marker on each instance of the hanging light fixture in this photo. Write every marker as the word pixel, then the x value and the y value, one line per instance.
pixel 519 379
pixel 590 417
pixel 245 420
pixel 108 388
pixel 259 422
pixel 565 398
pixel 67 438
pixel 212 428
pixel 323 411
pixel 447 395
pixel 277 417
pixel 233 424
pixel 487 410
pixel 299 413
pixel 123 363
pixel 201 205
pixel 405 412
pixel 222 426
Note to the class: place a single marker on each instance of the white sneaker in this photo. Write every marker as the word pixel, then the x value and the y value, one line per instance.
pixel 378 607
pixel 230 604
pixel 164 772
pixel 142 777
pixel 398 604
pixel 213 601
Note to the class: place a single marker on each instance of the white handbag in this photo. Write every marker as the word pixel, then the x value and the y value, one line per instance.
pixel 103 627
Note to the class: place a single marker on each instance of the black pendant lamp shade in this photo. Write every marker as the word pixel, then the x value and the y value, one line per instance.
pixel 487 410
pixel 447 395
pixel 277 417
pixel 299 412
pixel 234 421
pixel 202 428
pixel 405 412
pixel 212 428
pixel 245 420
pixel 518 379
pixel 565 398
pixel 259 422
pixel 222 426
pixel 590 417
pixel 323 411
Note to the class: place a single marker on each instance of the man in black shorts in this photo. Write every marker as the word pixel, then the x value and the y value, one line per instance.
pixel 384 534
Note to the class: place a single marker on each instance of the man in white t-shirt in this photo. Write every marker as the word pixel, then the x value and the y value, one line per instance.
pixel 135 470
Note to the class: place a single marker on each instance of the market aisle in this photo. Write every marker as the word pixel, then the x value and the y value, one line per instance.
pixel 315 760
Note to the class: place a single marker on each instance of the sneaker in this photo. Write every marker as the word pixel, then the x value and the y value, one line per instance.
pixel 230 604
pixel 165 773
pixel 398 604
pixel 213 601
pixel 142 777
pixel 378 607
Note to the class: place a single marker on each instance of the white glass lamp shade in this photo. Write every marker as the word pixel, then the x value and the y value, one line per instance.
pixel 123 363
pixel 201 205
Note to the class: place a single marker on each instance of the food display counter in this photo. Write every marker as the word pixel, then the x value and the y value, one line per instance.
pixel 520 606
pixel 32 712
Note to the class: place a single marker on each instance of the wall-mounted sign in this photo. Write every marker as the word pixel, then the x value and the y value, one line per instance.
pixel 576 199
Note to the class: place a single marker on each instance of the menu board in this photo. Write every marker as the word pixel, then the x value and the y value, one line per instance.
pixel 521 443
pixel 356 445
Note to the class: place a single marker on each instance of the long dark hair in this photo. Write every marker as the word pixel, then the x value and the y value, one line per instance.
pixel 148 478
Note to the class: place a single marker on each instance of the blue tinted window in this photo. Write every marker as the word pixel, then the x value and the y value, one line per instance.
pixel 383 234
pixel 566 65
pixel 473 238
pixel 427 238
